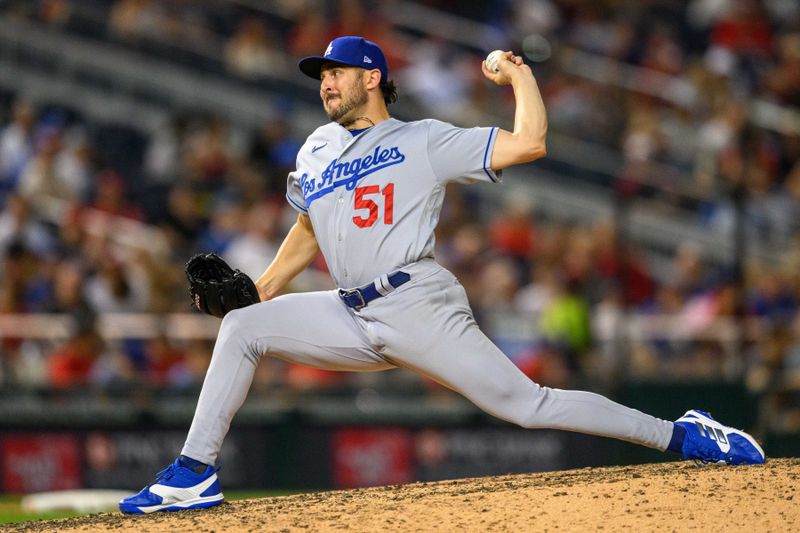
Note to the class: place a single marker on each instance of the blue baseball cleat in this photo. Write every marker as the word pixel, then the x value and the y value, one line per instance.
pixel 708 441
pixel 176 488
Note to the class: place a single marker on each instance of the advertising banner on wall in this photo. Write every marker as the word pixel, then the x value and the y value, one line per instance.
pixel 40 462
pixel 306 457
pixel 364 457
pixel 130 459
pixel 472 452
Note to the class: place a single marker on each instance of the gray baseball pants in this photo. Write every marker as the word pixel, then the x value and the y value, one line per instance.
pixel 425 325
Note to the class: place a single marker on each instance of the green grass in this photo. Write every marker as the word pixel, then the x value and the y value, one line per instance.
pixel 11 512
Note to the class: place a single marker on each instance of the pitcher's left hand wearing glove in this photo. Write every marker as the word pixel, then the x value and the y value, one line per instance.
pixel 216 288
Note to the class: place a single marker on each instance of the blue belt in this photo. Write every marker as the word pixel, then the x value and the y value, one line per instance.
pixel 360 297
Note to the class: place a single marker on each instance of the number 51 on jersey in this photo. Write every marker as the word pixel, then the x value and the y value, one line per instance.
pixel 367 198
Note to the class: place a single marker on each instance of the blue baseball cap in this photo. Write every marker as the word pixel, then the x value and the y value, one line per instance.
pixel 352 51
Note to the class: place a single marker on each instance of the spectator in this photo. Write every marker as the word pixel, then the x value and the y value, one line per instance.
pixel 784 209
pixel 55 12
pixel 783 81
pixel 565 323
pixel 642 141
pixel 608 327
pixel 133 19
pixel 17 269
pixel 373 22
pixel 75 160
pixel 112 198
pixel 744 30
pixel 533 298
pixel 251 52
pixel 625 269
pixel 255 248
pixel 68 289
pixel 464 255
pixel 224 226
pixel 438 77
pixel 117 288
pixel 162 159
pixel 772 300
pixel 45 176
pixel 73 364
pixel 512 233
pixel 661 51
pixel 16 144
pixel 689 274
pixel 310 33
pixel 499 283
pixel 208 153
pixel 167 364
pixel 274 151
pixel 17 223
pixel 183 220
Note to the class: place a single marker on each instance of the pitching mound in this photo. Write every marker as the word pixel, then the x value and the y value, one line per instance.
pixel 668 497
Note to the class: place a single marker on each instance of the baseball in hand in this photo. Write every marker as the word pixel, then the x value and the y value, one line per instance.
pixel 492 59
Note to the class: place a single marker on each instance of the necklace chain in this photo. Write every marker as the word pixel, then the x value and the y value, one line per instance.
pixel 365 118
pixel 351 122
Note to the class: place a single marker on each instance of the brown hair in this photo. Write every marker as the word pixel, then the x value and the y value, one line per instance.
pixel 389 91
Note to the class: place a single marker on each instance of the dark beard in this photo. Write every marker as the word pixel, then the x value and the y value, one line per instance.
pixel 357 98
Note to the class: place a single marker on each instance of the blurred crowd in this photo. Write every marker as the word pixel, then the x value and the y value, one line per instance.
pixel 82 234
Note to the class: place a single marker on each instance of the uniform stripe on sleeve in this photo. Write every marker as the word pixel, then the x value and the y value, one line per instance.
pixel 486 155
pixel 298 206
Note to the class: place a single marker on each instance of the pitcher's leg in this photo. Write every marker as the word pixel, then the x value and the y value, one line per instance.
pixel 309 328
pixel 473 366
pixel 445 344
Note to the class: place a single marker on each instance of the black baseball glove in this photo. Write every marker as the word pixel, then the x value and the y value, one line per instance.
pixel 216 288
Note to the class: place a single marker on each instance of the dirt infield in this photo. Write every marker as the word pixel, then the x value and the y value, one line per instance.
pixel 663 497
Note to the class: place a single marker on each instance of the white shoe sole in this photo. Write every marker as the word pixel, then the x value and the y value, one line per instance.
pixel 194 503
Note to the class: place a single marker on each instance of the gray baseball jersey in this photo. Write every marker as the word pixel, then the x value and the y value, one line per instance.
pixel 374 201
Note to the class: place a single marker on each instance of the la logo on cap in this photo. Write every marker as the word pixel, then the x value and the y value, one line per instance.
pixel 351 51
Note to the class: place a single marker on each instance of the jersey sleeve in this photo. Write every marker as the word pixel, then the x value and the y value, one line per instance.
pixel 463 155
pixel 294 192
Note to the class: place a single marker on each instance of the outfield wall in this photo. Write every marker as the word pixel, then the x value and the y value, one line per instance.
pixel 331 442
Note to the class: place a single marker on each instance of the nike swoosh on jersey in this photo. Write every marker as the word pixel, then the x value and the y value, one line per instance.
pixel 320 147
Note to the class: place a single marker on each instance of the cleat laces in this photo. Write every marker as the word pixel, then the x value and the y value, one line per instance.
pixel 164 475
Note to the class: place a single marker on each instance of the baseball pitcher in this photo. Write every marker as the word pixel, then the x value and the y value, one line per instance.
pixel 368 190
